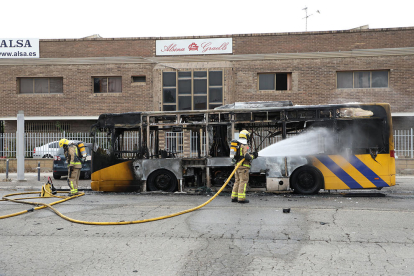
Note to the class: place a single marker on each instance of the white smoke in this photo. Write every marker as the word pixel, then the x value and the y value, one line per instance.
pixel 308 143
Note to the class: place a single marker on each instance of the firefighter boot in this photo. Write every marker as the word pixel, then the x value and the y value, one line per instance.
pixel 244 201
pixel 234 199
pixel 73 192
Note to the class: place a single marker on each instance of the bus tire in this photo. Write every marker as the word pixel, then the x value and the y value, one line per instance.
pixel 307 180
pixel 162 180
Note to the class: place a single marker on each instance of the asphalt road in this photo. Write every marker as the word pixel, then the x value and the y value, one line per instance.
pixel 325 234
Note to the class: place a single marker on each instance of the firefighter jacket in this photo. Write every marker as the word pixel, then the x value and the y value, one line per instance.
pixel 245 153
pixel 72 157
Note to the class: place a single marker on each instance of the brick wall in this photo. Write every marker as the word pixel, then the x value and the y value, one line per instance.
pixel 242 44
pixel 30 165
pixel 75 126
pixel 104 47
pixel 314 81
pixel 78 98
pixel 323 41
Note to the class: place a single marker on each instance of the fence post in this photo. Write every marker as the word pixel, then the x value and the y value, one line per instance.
pixel 38 171
pixel 7 169
pixel 20 146
pixel 412 143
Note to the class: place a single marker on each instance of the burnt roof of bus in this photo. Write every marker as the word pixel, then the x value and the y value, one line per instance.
pixel 132 119
pixel 110 120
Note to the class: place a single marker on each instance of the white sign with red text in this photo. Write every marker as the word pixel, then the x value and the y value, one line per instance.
pixel 212 46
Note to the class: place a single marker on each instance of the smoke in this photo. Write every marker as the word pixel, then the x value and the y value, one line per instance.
pixel 311 142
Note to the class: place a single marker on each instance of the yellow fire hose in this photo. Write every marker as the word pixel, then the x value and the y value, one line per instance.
pixel 44 205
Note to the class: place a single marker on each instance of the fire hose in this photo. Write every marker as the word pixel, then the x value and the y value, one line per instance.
pixel 45 205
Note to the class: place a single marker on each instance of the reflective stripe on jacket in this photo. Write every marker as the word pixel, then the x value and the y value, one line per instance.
pixel 73 157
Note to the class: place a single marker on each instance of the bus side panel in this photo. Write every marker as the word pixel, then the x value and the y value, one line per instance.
pixel 380 172
pixel 331 180
pixel 355 171
pixel 116 178
pixel 144 167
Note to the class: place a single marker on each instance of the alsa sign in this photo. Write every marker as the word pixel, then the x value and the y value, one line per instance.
pixel 178 47
pixel 19 48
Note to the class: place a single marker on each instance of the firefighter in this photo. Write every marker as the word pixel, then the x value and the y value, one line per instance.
pixel 74 165
pixel 242 173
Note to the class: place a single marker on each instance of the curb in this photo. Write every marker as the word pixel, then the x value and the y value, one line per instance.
pixel 37 188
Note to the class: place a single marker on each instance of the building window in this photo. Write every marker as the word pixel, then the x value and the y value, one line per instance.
pixel 192 90
pixel 362 79
pixel 40 85
pixel 275 81
pixel 107 84
pixel 139 79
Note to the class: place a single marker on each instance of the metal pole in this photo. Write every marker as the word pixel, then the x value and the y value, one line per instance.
pixel 412 143
pixel 20 146
pixel 7 169
pixel 306 28
pixel 38 171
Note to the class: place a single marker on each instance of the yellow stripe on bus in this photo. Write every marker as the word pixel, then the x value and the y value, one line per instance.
pixel 379 167
pixel 352 171
pixel 332 182
pixel 382 165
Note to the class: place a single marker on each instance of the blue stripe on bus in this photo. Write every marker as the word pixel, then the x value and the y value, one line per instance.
pixel 339 172
pixel 367 172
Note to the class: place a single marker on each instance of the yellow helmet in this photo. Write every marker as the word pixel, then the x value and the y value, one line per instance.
pixel 244 134
pixel 63 142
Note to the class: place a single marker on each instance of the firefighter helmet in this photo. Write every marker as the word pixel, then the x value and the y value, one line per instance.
pixel 63 142
pixel 244 134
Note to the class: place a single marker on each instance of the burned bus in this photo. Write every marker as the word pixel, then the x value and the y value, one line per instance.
pixel 301 148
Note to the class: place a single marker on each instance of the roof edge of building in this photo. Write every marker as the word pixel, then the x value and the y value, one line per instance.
pixel 354 30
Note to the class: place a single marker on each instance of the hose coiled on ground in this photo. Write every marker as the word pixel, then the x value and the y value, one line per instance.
pixel 45 205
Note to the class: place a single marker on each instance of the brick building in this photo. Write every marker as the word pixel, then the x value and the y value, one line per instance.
pixel 75 80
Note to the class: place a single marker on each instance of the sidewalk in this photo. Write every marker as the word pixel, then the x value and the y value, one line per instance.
pixel 31 182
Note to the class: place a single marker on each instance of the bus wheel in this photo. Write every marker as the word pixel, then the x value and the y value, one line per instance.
pixel 307 180
pixel 163 180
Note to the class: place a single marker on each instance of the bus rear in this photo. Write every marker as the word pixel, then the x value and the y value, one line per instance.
pixel 365 151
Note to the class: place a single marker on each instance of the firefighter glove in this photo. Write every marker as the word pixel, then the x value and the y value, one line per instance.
pixel 248 157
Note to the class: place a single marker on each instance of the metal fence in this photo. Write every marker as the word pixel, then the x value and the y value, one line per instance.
pixel 175 143
pixel 45 145
pixel 39 145
pixel 403 140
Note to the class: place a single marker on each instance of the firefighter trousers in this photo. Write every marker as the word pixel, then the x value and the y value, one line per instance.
pixel 240 184
pixel 74 180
